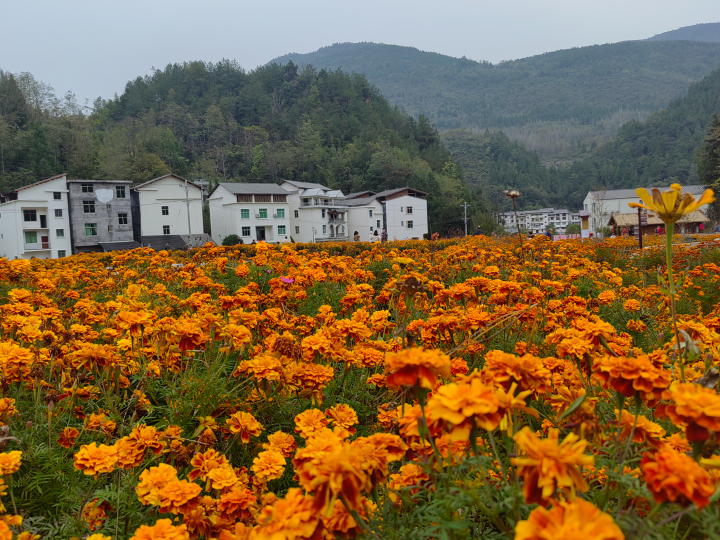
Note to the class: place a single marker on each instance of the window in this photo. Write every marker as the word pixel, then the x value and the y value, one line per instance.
pixel 297 229
pixel 263 213
pixel 110 228
pixel 378 223
pixel 279 198
pixel 262 198
pixel 165 210
pixel 108 206
pixel 122 219
pixel 324 229
pixel 408 210
pixel 370 213
pixel 57 196
pixel 60 233
pixel 120 192
pixel 58 212
pixel 89 207
pixel 87 188
pixel 244 198
pixel 402 223
pixel 61 253
pixel 410 225
pixel 166 229
pixel 281 230
pixel 246 231
pixel 31 237
pixel 30 215
pixel 245 213
pixel 401 208
pixel 91 229
pixel 323 212
pixel 297 214
pixel 280 212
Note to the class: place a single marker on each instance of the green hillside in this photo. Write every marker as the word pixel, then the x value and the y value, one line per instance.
pixel 709 32
pixel 218 122
pixel 566 97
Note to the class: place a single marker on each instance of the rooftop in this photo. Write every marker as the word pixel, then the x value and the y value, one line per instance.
pixel 306 185
pixel 100 181
pixel 631 194
pixel 238 188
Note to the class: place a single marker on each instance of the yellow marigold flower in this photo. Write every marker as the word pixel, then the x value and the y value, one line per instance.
pixel 268 465
pixel 672 204
pixel 606 297
pixel 206 462
pixel 410 475
pixel 152 480
pixel 179 496
pixel 93 459
pixel 343 416
pixel 645 431
pixel 245 425
pixel 162 530
pixel 571 520
pixel 10 462
pixel 631 305
pixel 133 321
pixel 281 442
pixel 68 436
pixel 628 375
pixel 189 333
pixel 310 421
pixel 695 408
pixel 675 477
pixel 7 406
pixel 416 366
pixel 548 465
pixel 97 536
pixel 223 477
pixel 293 517
pixel 527 371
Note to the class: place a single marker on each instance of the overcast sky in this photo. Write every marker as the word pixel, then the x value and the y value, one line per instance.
pixel 93 47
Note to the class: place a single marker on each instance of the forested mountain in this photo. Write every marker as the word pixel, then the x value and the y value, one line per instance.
pixel 709 32
pixel 218 122
pixel 559 103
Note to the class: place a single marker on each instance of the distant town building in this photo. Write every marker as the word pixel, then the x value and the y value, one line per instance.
pixel 251 211
pixel 603 204
pixel 100 215
pixel 538 221
pixel 403 213
pixel 35 222
pixel 317 213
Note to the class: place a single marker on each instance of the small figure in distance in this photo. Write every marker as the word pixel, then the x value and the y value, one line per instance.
pixel 241 242
pixel 375 237
pixel 356 236
pixel 253 242
pixel 479 232
pixel 383 236
pixel 717 228
pixel 548 233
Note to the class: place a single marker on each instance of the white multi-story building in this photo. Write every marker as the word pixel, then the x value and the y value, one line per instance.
pixel 317 213
pixel 35 222
pixel 603 204
pixel 538 221
pixel 402 212
pixel 251 211
pixel 168 205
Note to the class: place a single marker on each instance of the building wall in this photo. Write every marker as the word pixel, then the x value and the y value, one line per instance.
pixel 226 218
pixel 106 214
pixel 361 221
pixel 397 218
pixel 41 199
pixel 309 217
pixel 169 192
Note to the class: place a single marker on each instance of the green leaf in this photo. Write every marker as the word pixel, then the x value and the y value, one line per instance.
pixel 572 408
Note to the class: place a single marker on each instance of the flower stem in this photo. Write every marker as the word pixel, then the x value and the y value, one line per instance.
pixel 669 228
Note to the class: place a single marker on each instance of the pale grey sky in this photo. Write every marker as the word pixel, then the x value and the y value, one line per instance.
pixel 93 47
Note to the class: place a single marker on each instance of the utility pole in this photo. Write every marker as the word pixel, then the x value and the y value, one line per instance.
pixel 187 203
pixel 465 219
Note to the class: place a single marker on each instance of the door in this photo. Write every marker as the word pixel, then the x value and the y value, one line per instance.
pixel 43 222
pixel 45 242
pixel 260 233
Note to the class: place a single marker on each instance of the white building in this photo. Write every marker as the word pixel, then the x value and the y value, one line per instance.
pixel 317 213
pixel 402 212
pixel 251 211
pixel 168 205
pixel 366 215
pixel 35 222
pixel 538 221
pixel 603 204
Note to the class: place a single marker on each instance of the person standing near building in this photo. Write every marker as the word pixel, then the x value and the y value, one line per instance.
pixel 384 236
pixel 375 237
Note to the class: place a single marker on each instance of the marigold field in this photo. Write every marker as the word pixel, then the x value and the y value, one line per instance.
pixel 479 388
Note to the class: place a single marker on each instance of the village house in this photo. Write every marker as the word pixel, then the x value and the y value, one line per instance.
pixel 251 211
pixel 35 221
pixel 538 221
pixel 317 213
pixel 401 211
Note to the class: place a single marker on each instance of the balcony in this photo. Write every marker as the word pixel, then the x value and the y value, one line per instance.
pixel 332 239
pixel 322 202
pixel 39 246
pixel 336 220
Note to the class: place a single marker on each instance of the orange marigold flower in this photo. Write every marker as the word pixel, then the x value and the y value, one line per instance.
pixel 343 416
pixel 281 442
pixel 68 436
pixel 96 536
pixel 695 408
pixel 376 380
pixel 528 371
pixel 645 431
pixel 416 366
pixel 310 421
pixel 410 475
pixel 631 305
pixel 236 503
pixel 675 477
pixel 548 465
pixel 206 462
pixel 628 375
pixel 293 517
pixel 568 521
pixel 95 513
pixel 129 454
pixel 190 334
pixel 268 465
pixel 7 407
pixel 244 424
pixel 162 530
pixel 133 321
pixel 223 477
pixel 606 297
pixel 152 480
pixel 179 496
pixel 5 531
pixel 93 459
pixel 147 438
